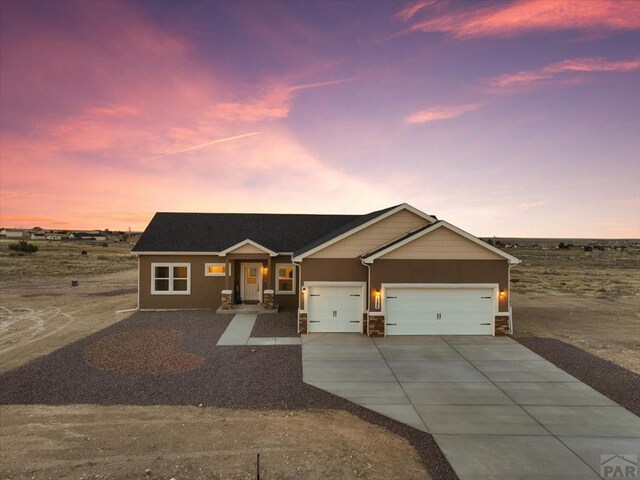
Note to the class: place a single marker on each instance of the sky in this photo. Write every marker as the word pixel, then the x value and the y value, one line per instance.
pixel 510 118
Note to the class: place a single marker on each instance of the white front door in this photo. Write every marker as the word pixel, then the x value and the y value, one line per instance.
pixel 438 311
pixel 251 280
pixel 335 308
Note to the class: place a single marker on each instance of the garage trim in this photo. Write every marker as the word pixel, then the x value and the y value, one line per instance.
pixel 494 298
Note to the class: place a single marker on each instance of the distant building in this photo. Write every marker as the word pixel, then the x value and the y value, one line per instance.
pixel 11 233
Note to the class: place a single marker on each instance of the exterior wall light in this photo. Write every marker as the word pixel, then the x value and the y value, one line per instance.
pixel 377 299
pixel 502 292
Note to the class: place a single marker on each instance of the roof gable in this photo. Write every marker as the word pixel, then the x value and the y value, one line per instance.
pixel 439 241
pixel 247 246
pixel 356 226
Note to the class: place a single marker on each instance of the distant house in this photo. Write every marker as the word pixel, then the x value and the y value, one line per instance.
pixel 54 237
pixel 11 233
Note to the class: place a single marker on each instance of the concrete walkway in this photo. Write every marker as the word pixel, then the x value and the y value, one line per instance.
pixel 238 332
pixel 496 409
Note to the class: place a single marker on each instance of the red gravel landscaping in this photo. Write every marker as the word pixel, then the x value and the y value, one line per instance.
pixel 141 351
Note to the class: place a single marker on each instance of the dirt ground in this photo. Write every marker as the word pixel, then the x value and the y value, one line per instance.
pixel 40 315
pixel 588 299
pixel 83 441
pixel 608 328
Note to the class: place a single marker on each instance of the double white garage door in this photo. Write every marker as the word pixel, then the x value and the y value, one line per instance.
pixel 438 311
pixel 420 310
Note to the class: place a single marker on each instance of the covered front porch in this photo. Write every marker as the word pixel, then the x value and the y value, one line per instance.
pixel 251 275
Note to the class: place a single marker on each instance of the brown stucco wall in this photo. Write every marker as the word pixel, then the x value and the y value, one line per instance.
pixel 205 291
pixel 333 270
pixel 441 271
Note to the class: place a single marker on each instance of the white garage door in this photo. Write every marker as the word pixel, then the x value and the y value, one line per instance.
pixel 334 308
pixel 438 311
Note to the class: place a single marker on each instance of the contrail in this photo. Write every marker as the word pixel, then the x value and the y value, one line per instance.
pixel 195 147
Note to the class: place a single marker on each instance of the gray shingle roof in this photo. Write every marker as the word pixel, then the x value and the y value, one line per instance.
pixel 214 232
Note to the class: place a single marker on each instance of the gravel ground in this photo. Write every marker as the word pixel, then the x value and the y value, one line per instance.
pixel 236 377
pixel 613 381
pixel 281 324
pixel 141 351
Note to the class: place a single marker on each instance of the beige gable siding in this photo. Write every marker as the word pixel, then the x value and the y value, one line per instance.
pixel 441 244
pixel 248 248
pixel 374 236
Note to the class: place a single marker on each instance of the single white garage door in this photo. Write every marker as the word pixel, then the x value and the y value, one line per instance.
pixel 438 311
pixel 334 308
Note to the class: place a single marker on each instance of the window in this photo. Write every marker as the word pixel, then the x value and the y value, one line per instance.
pixel 215 269
pixel 171 278
pixel 286 278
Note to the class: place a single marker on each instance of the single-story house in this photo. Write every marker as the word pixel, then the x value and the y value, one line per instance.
pixel 397 271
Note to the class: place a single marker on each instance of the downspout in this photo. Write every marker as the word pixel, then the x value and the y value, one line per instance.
pixel 509 299
pixel 299 266
pixel 368 291
pixel 138 306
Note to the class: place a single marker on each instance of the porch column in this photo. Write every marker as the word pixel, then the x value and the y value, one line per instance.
pixel 227 271
pixel 269 286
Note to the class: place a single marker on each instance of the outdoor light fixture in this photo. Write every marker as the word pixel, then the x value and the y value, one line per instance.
pixel 377 299
pixel 502 292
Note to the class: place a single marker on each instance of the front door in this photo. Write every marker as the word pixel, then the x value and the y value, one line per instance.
pixel 251 280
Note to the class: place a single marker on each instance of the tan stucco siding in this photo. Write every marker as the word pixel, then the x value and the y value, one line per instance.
pixel 441 271
pixel 248 248
pixel 205 291
pixel 373 236
pixel 441 244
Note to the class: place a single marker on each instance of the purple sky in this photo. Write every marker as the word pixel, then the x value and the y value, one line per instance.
pixel 509 118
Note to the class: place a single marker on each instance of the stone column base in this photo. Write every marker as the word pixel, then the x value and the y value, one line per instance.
pixel 376 325
pixel 268 300
pixel 302 322
pixel 227 300
pixel 502 326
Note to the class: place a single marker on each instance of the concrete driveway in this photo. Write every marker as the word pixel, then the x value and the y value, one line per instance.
pixel 496 409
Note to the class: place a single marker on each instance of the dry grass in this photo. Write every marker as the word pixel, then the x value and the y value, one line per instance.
pixel 56 259
pixel 601 274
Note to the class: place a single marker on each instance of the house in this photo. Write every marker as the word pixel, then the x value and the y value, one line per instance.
pixel 397 271
pixel 11 233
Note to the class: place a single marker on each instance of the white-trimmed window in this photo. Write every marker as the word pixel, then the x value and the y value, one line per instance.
pixel 171 278
pixel 285 278
pixel 215 269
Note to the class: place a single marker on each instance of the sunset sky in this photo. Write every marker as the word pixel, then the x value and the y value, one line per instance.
pixel 513 118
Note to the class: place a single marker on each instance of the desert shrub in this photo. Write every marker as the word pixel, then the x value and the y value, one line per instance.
pixel 84 252
pixel 24 247
pixel 105 244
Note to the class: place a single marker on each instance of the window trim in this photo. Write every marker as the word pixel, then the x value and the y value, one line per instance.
pixel 206 269
pixel 293 283
pixel 171 291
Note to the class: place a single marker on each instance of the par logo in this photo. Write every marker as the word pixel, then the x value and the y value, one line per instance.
pixel 619 466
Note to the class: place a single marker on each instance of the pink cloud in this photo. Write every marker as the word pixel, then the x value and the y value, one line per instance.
pixel 275 103
pixel 410 10
pixel 435 114
pixel 115 110
pixel 524 16
pixel 558 71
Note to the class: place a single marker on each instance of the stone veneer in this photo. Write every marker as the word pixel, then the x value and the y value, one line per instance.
pixel 502 326
pixel 302 322
pixel 376 325
pixel 268 300
pixel 227 300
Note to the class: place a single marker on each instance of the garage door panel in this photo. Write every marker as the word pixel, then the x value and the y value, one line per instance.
pixel 438 311
pixel 334 308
